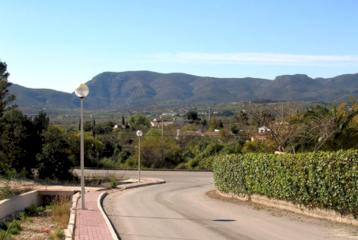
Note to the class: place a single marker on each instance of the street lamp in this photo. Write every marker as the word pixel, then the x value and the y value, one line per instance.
pixel 139 134
pixel 82 91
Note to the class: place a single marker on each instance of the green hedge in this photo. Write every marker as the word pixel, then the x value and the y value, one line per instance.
pixel 320 179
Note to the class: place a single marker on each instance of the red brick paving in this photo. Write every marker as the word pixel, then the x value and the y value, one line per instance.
pixel 90 224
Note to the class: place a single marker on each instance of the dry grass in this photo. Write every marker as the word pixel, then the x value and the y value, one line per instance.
pixel 61 211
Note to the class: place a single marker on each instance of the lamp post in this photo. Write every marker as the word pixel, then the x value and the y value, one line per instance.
pixel 139 134
pixel 82 91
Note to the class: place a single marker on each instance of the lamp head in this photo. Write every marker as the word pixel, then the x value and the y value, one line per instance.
pixel 82 91
pixel 139 133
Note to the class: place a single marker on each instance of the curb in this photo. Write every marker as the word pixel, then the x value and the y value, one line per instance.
pixel 106 219
pixel 136 185
pixel 326 214
pixel 71 223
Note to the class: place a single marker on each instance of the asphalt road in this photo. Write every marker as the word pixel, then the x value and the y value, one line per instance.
pixel 181 210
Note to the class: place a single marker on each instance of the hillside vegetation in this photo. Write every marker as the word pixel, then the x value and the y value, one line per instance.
pixel 124 90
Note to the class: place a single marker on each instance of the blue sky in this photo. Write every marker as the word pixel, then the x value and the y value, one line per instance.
pixel 59 44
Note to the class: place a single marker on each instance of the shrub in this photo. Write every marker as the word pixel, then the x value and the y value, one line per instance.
pixel 57 235
pixel 114 181
pixel 34 210
pixel 4 235
pixel 109 163
pixel 13 227
pixel 317 179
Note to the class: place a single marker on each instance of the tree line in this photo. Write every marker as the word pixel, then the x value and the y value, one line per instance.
pixel 33 147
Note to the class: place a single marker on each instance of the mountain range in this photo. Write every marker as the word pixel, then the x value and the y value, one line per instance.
pixel 126 90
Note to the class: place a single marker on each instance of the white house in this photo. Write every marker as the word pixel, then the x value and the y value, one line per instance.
pixel 264 129
pixel 158 123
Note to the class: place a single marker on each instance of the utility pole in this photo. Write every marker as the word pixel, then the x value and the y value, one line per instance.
pixel 178 134
pixel 162 128
pixel 209 115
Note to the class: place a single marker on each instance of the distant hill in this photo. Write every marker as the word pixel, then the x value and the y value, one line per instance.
pixel 123 90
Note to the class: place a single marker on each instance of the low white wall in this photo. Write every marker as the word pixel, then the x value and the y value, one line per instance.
pixel 18 203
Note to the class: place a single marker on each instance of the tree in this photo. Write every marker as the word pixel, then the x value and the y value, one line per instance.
pixel 322 128
pixel 192 116
pixel 56 158
pixel 21 140
pixel 5 101
pixel 93 149
pixel 138 121
pixel 5 97
pixel 234 129
pixel 41 121
pixel 159 154
pixel 198 150
pixel 337 131
pixel 215 124
pixel 40 124
pixel 123 122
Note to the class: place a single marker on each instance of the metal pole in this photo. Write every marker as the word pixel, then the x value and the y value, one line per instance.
pixel 138 159
pixel 82 161
pixel 161 141
pixel 162 129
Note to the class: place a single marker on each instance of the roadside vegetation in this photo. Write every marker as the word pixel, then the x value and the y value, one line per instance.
pixel 38 222
pixel 316 179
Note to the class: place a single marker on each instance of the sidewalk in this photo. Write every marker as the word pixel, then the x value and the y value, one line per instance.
pixel 90 224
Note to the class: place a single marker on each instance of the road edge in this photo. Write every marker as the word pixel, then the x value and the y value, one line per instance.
pixel 319 213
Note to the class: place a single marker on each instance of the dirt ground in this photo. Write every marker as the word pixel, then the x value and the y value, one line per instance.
pixel 37 228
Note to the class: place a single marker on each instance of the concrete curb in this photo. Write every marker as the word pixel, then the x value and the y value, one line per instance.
pixel 142 184
pixel 122 188
pixel 326 214
pixel 71 223
pixel 106 219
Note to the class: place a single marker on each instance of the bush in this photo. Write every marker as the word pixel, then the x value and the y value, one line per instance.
pixel 317 179
pixel 14 227
pixel 58 234
pixel 114 181
pixel 109 163
pixel 34 210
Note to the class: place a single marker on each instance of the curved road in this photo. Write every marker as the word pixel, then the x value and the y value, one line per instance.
pixel 181 210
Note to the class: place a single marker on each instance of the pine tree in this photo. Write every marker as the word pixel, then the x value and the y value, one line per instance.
pixel 5 97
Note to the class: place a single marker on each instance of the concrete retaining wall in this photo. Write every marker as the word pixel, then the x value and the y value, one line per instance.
pixel 18 203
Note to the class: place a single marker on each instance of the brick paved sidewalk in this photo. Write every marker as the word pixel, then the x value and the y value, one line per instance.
pixel 90 224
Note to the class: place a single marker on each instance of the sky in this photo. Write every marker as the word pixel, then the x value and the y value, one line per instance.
pixel 60 44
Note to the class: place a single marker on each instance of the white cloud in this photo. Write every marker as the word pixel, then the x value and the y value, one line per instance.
pixel 255 58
